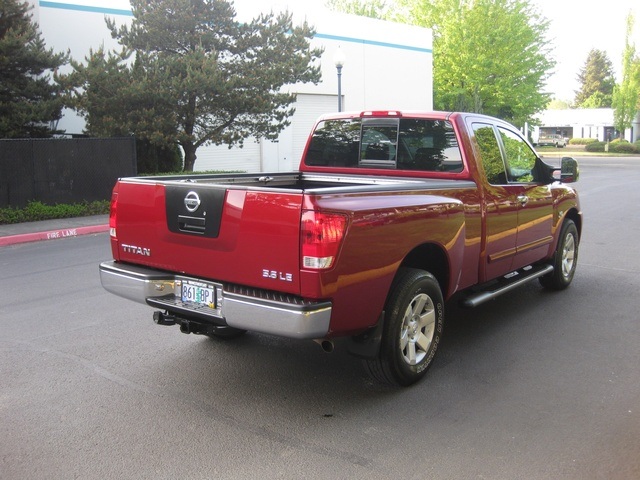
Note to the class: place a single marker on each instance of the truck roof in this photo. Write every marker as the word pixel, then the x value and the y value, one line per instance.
pixel 434 114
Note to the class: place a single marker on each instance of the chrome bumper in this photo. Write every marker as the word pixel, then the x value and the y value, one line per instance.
pixel 293 319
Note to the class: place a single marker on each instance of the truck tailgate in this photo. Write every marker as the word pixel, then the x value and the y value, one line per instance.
pixel 238 235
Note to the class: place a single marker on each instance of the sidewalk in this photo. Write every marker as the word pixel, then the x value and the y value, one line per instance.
pixel 52 229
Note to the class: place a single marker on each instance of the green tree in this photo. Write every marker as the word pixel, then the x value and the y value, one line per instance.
pixel 110 104
pixel 626 95
pixel 191 74
pixel 363 8
pixel 29 100
pixel 597 100
pixel 489 56
pixel 104 93
pixel 557 104
pixel 596 81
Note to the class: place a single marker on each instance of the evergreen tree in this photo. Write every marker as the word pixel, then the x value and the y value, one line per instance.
pixel 596 81
pixel 29 101
pixel 198 76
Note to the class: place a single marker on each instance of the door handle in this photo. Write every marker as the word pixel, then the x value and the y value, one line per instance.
pixel 523 200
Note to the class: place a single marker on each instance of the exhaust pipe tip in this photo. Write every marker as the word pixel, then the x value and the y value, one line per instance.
pixel 326 345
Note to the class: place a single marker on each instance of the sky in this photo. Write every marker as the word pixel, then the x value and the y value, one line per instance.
pixel 576 27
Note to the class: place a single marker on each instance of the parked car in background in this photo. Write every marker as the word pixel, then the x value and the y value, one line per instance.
pixel 554 140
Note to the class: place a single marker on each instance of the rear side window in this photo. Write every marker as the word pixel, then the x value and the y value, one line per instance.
pixel 428 145
pixel 335 143
pixel 407 144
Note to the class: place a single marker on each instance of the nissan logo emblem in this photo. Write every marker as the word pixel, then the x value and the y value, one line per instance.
pixel 192 201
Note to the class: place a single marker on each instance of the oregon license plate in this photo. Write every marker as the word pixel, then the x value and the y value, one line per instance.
pixel 199 293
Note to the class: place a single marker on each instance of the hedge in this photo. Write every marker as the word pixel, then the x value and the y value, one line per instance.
pixel 614 147
pixel 35 211
pixel 582 141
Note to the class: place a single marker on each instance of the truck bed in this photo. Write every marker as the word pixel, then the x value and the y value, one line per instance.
pixel 245 224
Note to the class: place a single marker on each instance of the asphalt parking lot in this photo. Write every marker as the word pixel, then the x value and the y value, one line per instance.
pixel 534 385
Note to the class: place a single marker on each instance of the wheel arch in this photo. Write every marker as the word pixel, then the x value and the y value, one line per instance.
pixel 577 219
pixel 571 214
pixel 432 258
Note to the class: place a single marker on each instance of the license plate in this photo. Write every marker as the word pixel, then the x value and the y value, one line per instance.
pixel 197 293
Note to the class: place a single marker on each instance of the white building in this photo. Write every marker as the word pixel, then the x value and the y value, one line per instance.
pixel 583 123
pixel 387 66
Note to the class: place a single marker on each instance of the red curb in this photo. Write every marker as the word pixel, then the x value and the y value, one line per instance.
pixel 52 234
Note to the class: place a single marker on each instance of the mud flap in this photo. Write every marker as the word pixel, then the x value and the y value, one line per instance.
pixel 367 344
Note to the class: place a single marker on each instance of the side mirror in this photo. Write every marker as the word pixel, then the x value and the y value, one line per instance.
pixel 569 171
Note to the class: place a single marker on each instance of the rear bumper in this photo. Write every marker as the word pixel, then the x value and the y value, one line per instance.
pixel 244 309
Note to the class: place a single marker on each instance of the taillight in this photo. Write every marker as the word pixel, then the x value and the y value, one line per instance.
pixel 113 213
pixel 321 237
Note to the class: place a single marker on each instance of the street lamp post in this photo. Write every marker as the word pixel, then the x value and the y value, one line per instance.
pixel 338 60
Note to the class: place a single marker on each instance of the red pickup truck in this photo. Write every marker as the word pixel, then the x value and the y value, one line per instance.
pixel 390 214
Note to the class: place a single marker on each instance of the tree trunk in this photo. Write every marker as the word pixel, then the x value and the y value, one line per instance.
pixel 189 156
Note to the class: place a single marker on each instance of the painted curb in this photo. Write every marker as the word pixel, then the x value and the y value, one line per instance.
pixel 52 234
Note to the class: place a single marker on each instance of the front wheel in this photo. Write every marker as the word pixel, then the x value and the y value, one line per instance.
pixel 414 320
pixel 565 258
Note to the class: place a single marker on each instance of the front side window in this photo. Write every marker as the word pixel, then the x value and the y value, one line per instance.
pixel 520 159
pixel 490 154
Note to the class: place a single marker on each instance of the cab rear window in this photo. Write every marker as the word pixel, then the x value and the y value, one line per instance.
pixel 393 143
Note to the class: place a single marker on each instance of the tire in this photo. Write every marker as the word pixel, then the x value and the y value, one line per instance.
pixel 225 333
pixel 565 258
pixel 413 325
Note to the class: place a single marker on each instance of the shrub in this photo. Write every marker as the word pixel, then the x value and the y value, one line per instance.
pixel 595 147
pixel 153 158
pixel 582 141
pixel 622 147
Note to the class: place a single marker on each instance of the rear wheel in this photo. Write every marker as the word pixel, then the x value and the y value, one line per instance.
pixel 565 259
pixel 414 320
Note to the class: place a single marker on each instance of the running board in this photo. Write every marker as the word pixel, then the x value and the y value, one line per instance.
pixel 506 284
